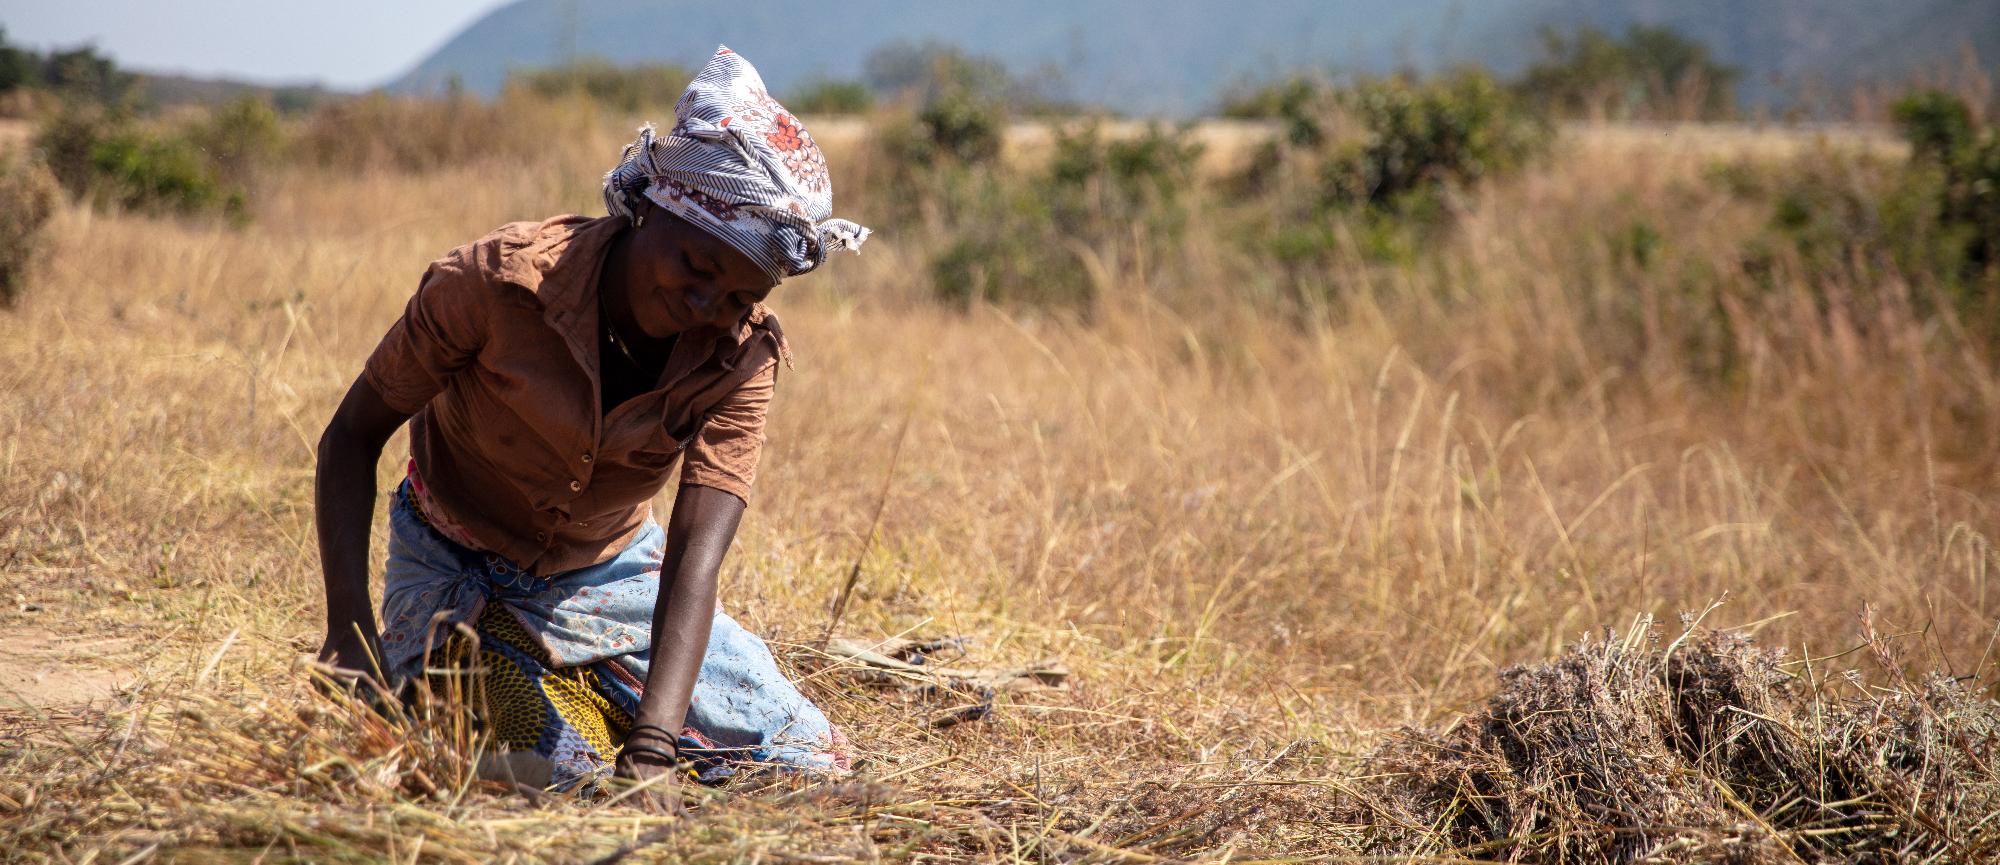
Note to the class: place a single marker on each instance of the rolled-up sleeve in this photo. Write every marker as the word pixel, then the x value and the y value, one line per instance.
pixel 440 333
pixel 724 453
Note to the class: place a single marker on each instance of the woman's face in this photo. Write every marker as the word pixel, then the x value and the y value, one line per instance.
pixel 682 277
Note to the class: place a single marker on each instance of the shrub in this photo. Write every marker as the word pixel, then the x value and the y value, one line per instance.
pixel 1010 268
pixel 27 200
pixel 1424 139
pixel 1961 159
pixel 1020 236
pixel 238 137
pixel 140 169
pixel 1651 72
pixel 1856 221
pixel 1299 102
pixel 1157 164
pixel 1270 100
pixel 1101 187
pixel 1935 218
pixel 1938 125
pixel 77 74
pixel 1852 220
pixel 962 127
pixel 107 158
pixel 947 135
pixel 19 67
pixel 66 140
pixel 831 96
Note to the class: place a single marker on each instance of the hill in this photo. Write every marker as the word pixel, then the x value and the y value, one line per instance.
pixel 1178 56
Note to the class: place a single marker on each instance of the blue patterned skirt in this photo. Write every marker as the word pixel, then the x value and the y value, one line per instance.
pixel 554 667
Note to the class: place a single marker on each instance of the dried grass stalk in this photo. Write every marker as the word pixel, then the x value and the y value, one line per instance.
pixel 1707 750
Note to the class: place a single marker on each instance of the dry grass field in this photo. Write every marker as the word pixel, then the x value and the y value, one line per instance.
pixel 1260 547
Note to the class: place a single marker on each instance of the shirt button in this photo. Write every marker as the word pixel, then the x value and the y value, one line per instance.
pixel 575 486
pixel 586 458
pixel 541 536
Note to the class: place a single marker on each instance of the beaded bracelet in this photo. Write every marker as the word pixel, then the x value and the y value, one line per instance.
pixel 669 734
pixel 672 758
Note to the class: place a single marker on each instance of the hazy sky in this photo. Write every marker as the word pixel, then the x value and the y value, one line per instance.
pixel 346 43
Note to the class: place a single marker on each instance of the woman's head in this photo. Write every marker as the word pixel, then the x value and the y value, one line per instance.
pixel 676 276
pixel 740 167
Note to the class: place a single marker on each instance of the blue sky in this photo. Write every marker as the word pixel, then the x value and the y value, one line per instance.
pixel 345 43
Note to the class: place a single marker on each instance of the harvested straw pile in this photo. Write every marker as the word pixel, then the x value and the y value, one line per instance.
pixel 1711 749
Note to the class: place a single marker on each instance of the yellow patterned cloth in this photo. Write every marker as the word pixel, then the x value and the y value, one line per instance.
pixel 561 714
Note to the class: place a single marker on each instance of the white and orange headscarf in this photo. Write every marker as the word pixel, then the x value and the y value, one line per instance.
pixel 739 165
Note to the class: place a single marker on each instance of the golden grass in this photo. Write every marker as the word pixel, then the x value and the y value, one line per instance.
pixel 1256 545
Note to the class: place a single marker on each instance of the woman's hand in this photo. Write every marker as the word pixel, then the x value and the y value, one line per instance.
pixel 663 775
pixel 343 509
pixel 349 658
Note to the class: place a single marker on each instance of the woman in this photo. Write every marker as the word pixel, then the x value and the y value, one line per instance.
pixel 553 374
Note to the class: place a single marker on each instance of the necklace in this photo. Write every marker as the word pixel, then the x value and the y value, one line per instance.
pixel 611 336
pixel 611 333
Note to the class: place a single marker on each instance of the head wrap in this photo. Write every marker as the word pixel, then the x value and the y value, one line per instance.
pixel 739 165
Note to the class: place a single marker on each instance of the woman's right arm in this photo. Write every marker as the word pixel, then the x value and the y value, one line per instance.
pixel 344 508
pixel 441 331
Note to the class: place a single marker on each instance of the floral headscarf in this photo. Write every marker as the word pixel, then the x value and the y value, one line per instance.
pixel 739 165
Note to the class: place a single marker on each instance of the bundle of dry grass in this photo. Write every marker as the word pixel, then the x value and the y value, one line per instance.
pixel 1710 749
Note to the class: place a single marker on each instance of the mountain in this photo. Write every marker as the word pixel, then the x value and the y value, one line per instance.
pixel 1178 57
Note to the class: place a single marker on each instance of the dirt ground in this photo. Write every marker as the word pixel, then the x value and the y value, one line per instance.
pixel 42 669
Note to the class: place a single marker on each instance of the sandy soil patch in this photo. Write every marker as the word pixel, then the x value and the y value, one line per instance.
pixel 40 669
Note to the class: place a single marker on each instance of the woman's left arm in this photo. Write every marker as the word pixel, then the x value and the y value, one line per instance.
pixel 698 534
pixel 720 465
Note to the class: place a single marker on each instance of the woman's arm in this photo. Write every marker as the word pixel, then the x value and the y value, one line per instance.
pixel 717 470
pixel 698 534
pixel 344 507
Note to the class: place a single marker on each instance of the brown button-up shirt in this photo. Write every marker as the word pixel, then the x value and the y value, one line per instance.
pixel 496 357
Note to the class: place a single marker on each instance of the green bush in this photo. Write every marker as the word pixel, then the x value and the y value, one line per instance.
pixel 1369 171
pixel 1127 174
pixel 1300 102
pixel 1846 218
pixel 1652 73
pixel 1961 159
pixel 1863 220
pixel 1938 125
pixel 140 169
pixel 1021 236
pixel 831 96
pixel 239 137
pixel 19 67
pixel 929 153
pixel 962 127
pixel 1427 138
pixel 66 140
pixel 1019 269
pixel 77 74
pixel 112 160
pixel 27 200
pixel 1271 100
